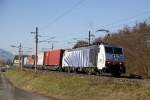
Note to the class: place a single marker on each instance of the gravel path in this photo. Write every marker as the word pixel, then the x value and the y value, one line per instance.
pixel 8 92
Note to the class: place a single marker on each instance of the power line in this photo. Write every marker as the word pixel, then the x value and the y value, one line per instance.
pixel 125 19
pixel 64 14
pixel 127 23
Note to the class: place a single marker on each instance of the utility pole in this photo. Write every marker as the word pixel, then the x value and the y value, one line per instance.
pixel 36 51
pixel 52 46
pixel 20 56
pixel 89 38
pixel 36 47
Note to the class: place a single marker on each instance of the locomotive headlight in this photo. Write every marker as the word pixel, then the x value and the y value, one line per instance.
pixel 120 63
pixel 108 62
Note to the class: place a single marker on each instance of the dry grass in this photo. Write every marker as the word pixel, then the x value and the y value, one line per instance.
pixel 66 87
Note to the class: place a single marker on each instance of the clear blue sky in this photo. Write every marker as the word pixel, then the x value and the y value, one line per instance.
pixel 20 17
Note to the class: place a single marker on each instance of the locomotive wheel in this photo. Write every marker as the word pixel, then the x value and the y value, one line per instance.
pixel 89 71
pixel 60 69
pixel 99 72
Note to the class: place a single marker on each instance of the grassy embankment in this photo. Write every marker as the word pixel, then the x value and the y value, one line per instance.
pixel 69 87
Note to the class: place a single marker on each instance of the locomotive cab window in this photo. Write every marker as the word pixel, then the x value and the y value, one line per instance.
pixel 118 51
pixel 113 50
pixel 109 50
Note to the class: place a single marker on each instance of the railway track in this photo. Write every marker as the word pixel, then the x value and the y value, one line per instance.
pixel 125 79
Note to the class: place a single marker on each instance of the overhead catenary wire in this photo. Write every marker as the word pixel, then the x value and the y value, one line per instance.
pixel 106 25
pixel 126 19
pixel 63 14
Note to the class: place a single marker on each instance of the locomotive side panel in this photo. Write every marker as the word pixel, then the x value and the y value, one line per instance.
pixel 84 57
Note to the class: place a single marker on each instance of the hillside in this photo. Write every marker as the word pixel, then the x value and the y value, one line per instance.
pixel 136 42
pixel 5 55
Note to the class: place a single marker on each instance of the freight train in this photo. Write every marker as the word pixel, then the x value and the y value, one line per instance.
pixel 96 59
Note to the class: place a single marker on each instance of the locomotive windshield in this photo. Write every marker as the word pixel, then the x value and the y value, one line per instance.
pixel 109 50
pixel 117 50
pixel 113 50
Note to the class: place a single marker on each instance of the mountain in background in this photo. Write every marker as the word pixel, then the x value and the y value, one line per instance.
pixel 5 55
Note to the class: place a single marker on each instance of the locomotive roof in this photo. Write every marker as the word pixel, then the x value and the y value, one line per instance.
pixel 94 46
pixel 111 45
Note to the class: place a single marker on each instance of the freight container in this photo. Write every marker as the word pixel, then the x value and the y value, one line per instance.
pixel 40 59
pixel 46 58
pixel 53 59
pixel 25 62
pixel 31 60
